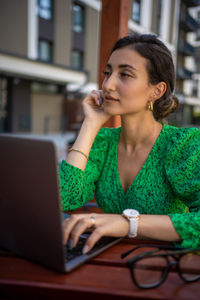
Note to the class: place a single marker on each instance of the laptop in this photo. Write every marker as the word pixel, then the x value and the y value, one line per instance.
pixel 30 206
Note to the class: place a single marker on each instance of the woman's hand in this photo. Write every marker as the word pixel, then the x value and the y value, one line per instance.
pixel 95 117
pixel 93 107
pixel 101 225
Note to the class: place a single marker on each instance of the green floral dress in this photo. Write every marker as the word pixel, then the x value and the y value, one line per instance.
pixel 167 184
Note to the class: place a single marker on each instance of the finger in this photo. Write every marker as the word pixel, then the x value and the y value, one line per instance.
pixel 107 228
pixel 79 228
pixel 97 97
pixel 71 222
pixel 93 239
pixel 68 225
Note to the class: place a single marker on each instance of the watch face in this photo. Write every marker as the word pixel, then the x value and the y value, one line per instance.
pixel 131 212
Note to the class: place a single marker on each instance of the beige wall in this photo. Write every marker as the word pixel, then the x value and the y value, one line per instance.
pixel 13 26
pixel 62 23
pixel 46 107
pixel 92 43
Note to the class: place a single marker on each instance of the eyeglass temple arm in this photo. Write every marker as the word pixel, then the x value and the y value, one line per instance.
pixel 123 255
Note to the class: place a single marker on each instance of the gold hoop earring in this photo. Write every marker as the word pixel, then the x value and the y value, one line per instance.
pixel 150 107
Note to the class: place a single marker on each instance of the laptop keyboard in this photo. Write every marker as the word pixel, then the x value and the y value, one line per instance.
pixel 77 251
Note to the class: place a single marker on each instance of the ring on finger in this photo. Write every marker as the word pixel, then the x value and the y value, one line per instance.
pixel 92 219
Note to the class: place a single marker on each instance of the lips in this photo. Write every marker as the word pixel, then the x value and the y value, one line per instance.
pixel 108 98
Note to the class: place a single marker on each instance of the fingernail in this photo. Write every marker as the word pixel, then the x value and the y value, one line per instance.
pixel 85 249
pixel 70 244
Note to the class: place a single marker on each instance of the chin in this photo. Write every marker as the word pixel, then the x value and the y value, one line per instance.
pixel 112 111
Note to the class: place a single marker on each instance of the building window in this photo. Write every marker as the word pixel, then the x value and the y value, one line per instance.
pixel 45 9
pixel 136 11
pixel 195 88
pixel 44 88
pixel 198 15
pixel 77 59
pixel 45 51
pixel 77 18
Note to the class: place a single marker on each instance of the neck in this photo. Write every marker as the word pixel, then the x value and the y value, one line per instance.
pixel 138 131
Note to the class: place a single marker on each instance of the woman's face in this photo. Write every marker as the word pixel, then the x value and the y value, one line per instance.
pixel 126 87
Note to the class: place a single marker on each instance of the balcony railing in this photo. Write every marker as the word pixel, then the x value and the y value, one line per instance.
pixel 187 22
pixel 198 33
pixel 191 3
pixel 184 74
pixel 186 49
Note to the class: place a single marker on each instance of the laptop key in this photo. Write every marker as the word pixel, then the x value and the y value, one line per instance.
pixel 77 251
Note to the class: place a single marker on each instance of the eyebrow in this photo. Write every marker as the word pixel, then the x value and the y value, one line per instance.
pixel 122 66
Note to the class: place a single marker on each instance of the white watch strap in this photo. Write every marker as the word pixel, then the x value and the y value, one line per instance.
pixel 133 223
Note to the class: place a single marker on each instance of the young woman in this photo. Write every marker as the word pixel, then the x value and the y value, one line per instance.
pixel 145 166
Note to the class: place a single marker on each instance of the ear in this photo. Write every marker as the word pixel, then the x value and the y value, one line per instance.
pixel 159 90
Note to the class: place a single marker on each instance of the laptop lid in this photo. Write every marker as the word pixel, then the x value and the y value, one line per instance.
pixel 30 210
pixel 30 213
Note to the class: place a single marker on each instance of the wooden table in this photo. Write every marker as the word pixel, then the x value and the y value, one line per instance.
pixel 105 277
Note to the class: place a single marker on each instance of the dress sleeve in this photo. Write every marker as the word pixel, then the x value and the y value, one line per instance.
pixel 183 171
pixel 77 186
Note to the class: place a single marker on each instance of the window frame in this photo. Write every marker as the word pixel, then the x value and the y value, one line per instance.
pixel 82 24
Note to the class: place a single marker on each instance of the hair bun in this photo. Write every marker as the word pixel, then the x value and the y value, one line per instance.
pixel 174 103
pixel 165 106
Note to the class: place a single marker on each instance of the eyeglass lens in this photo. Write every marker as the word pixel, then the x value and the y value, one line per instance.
pixel 149 271
pixel 189 266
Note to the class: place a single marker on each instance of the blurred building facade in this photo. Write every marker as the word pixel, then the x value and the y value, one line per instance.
pixel 187 86
pixel 176 23
pixel 49 58
pixel 43 48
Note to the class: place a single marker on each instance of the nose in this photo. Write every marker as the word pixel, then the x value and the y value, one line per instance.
pixel 109 83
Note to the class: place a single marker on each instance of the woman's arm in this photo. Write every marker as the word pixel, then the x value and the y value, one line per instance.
pixel 77 185
pixel 84 143
pixel 157 227
pixel 183 173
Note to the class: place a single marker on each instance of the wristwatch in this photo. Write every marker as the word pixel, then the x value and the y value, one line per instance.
pixel 132 215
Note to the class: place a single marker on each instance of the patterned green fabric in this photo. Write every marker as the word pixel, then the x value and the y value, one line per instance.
pixel 167 184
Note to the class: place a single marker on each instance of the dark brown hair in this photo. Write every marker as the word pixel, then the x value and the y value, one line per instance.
pixel 160 67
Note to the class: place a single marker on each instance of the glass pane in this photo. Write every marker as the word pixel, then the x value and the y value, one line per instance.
pixel 189 265
pixel 45 9
pixel 78 18
pixel 149 271
pixel 45 3
pixel 45 13
pixel 77 59
pixel 136 11
pixel 45 51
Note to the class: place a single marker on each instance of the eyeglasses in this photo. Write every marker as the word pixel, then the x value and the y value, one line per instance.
pixel 149 269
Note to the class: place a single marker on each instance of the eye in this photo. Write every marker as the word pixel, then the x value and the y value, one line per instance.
pixel 124 75
pixel 106 73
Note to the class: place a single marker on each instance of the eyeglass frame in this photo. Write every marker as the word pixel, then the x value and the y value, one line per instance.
pixel 175 252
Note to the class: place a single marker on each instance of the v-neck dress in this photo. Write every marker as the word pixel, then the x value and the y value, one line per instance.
pixel 167 184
